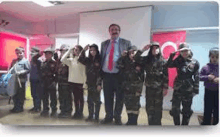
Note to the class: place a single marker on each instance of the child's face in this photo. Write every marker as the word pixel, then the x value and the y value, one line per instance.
pixel 48 55
pixel 155 50
pixel 185 53
pixel 93 51
pixel 19 54
pixel 214 59
pixel 76 51
pixel 131 54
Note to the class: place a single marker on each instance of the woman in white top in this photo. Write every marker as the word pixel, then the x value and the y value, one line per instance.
pixel 77 77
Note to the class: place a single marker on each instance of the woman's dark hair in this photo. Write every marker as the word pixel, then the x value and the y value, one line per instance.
pixel 97 56
pixel 150 55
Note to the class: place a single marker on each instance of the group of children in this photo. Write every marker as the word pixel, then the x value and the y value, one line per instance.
pixel 72 71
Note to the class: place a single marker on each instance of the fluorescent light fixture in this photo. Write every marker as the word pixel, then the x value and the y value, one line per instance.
pixel 43 3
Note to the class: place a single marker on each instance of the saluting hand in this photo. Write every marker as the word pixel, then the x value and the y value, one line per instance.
pixel 146 47
pixel 86 47
pixel 172 54
pixel 124 53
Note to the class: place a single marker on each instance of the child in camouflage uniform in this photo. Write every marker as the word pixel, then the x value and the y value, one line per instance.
pixel 93 80
pixel 132 82
pixel 186 84
pixel 156 81
pixel 65 95
pixel 48 71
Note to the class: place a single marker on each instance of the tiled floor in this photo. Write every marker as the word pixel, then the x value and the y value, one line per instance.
pixel 26 118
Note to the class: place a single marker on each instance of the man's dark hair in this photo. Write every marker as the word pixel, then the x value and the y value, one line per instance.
pixel 114 25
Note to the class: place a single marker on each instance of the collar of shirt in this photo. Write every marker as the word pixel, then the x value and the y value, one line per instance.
pixel 116 40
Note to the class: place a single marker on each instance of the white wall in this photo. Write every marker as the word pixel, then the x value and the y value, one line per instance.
pixel 135 25
pixel 69 41
pixel 15 25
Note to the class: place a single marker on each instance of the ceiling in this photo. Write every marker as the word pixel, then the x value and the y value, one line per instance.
pixel 31 12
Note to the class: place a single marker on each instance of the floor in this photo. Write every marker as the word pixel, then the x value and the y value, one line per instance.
pixel 26 118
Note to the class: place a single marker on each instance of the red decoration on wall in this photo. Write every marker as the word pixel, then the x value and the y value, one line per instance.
pixel 8 43
pixel 169 42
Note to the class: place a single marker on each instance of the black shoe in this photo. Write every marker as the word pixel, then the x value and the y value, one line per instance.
pixel 96 120
pixel 53 114
pixel 16 110
pixel 44 114
pixel 77 116
pixel 118 122
pixel 64 115
pixel 106 121
pixel 90 118
pixel 36 110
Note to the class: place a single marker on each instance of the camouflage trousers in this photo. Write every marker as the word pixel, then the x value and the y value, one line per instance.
pixel 154 104
pixel 94 102
pixel 132 103
pixel 65 98
pixel 184 98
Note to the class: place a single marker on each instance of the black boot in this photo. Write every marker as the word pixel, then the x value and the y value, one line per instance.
pixel 150 119
pixel 91 111
pixel 129 119
pixel 176 120
pixel 97 110
pixel 185 120
pixel 134 119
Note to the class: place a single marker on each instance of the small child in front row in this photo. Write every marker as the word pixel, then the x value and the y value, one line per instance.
pixel 21 69
pixel 210 75
pixel 132 82
pixel 93 80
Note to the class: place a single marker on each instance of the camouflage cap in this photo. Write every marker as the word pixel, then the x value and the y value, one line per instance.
pixel 35 49
pixel 154 43
pixel 132 48
pixel 184 46
pixel 49 50
pixel 64 47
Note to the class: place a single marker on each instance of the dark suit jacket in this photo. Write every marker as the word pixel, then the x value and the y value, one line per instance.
pixel 123 44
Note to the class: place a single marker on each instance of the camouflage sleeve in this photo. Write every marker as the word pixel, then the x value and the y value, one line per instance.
pixel 82 59
pixel 99 81
pixel 137 56
pixel 165 75
pixel 172 63
pixel 121 63
pixel 196 78
pixel 56 73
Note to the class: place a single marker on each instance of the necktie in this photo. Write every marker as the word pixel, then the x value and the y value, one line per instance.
pixel 111 55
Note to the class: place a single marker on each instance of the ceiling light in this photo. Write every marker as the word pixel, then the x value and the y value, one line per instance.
pixel 44 3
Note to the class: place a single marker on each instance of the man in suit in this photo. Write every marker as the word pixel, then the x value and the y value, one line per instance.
pixel 111 51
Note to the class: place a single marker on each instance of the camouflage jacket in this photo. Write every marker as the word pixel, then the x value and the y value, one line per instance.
pixel 62 72
pixel 48 71
pixel 156 71
pixel 92 70
pixel 132 74
pixel 187 73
